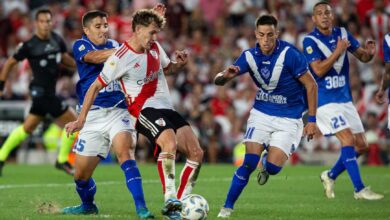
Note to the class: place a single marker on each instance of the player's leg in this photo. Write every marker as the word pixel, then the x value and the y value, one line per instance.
pixel 63 116
pixel 154 125
pixel 85 185
pixel 18 135
pixel 124 148
pixel 188 144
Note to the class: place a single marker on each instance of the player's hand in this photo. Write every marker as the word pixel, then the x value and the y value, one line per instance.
pixel 370 47
pixel 73 126
pixel 379 96
pixel 181 57
pixel 310 130
pixel 231 71
pixel 342 45
pixel 160 9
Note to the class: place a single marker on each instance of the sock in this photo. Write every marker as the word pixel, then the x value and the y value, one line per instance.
pixel 86 190
pixel 166 170
pixel 188 176
pixel 348 156
pixel 272 169
pixel 338 167
pixel 66 146
pixel 134 183
pixel 14 139
pixel 240 179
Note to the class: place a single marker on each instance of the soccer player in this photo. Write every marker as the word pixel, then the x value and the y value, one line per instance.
pixel 108 122
pixel 326 51
pixel 281 73
pixel 44 51
pixel 140 64
pixel 386 76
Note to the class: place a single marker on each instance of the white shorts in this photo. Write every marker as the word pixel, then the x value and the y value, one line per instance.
pixel 388 117
pixel 100 128
pixel 281 132
pixel 334 117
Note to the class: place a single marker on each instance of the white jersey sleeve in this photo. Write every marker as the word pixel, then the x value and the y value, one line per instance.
pixel 164 59
pixel 114 68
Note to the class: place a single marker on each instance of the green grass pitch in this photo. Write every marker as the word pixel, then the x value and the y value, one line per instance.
pixel 35 192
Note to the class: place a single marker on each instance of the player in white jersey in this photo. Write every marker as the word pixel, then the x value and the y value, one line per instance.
pixel 138 65
pixel 386 76
pixel 326 51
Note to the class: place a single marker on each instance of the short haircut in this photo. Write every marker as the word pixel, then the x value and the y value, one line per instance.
pixel 145 17
pixel 321 3
pixel 90 15
pixel 266 20
pixel 43 11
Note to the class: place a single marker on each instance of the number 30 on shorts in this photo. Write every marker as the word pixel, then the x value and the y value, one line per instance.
pixel 338 121
pixel 80 145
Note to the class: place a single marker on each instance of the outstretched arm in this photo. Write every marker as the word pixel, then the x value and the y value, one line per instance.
pixel 9 64
pixel 98 56
pixel 88 101
pixel 312 98
pixel 225 76
pixel 181 61
pixel 384 84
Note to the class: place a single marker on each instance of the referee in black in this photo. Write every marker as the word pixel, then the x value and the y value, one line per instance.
pixel 44 51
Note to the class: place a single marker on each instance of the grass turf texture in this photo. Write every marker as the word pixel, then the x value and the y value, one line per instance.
pixel 38 192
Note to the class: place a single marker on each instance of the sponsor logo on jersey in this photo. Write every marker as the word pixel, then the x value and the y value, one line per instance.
pixel 309 50
pixel 126 121
pixel 43 63
pixel 148 79
pixel 81 47
pixel 266 62
pixel 160 122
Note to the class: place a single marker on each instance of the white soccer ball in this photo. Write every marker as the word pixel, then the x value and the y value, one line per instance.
pixel 195 207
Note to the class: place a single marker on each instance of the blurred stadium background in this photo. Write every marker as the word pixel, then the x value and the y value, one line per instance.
pixel 214 32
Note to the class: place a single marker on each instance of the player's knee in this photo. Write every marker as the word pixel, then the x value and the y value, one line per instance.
pixel 272 169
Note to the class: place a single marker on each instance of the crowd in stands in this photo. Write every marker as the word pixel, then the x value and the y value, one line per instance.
pixel 214 32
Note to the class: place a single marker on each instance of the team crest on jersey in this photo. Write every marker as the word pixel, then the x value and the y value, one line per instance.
pixel 265 72
pixel 309 50
pixel 160 122
pixel 81 47
pixel 154 54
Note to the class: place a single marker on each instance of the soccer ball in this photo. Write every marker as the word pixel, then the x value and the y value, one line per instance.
pixel 195 207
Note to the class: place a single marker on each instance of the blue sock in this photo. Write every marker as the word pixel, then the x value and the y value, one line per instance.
pixel 134 183
pixel 86 190
pixel 348 156
pixel 240 179
pixel 338 167
pixel 272 169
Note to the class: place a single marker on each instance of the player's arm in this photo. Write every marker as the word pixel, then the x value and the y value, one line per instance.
pixel 9 64
pixel 312 98
pixel 321 67
pixel 384 84
pixel 89 99
pixel 68 61
pixel 367 53
pixel 225 76
pixel 175 67
pixel 98 56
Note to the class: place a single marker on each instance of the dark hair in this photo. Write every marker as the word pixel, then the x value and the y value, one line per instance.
pixel 266 20
pixel 321 3
pixel 145 17
pixel 90 15
pixel 43 11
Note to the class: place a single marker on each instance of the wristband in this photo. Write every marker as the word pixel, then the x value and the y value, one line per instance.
pixel 311 118
pixel 2 85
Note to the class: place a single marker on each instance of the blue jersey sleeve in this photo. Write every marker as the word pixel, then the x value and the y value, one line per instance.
pixel 296 62
pixel 242 63
pixel 386 48
pixel 310 50
pixel 80 49
pixel 354 43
